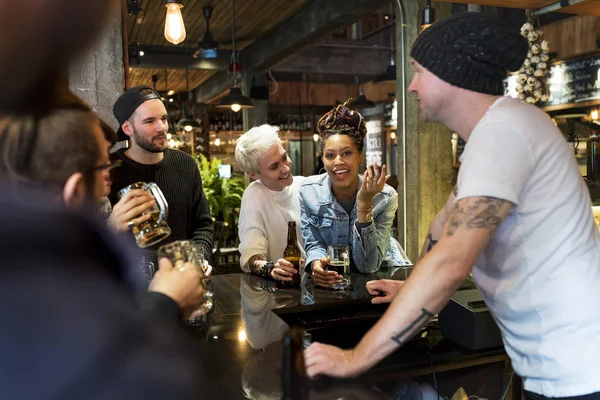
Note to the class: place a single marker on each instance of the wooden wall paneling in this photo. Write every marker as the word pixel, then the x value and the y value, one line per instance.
pixel 378 92
pixel 573 37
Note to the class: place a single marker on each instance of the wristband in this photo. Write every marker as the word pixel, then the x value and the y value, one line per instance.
pixel 266 269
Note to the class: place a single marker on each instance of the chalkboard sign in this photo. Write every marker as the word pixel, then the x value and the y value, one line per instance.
pixel 574 81
pixel 375 143
pixel 390 113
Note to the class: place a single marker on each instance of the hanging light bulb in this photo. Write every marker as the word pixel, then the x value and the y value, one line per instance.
pixel 427 16
pixel 235 107
pixel 174 27
pixel 393 135
pixel 316 137
pixel 188 128
pixel 595 114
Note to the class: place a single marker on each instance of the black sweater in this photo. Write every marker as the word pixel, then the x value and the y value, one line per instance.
pixel 178 178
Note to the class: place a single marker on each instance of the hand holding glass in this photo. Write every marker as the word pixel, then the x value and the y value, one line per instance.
pixel 184 251
pixel 339 261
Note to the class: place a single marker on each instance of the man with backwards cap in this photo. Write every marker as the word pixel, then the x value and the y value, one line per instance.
pixel 520 211
pixel 143 119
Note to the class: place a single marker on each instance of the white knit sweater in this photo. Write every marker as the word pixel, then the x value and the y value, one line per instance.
pixel 263 222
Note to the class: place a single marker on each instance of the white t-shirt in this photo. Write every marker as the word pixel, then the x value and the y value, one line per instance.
pixel 540 273
pixel 263 223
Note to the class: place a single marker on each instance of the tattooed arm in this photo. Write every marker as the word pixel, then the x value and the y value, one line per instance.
pixel 437 225
pixel 470 225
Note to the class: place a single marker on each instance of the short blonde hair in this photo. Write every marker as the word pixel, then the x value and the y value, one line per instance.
pixel 253 144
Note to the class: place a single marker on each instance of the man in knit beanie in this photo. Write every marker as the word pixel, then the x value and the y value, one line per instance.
pixel 520 211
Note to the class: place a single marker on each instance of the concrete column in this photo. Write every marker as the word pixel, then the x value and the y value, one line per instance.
pixel 98 78
pixel 427 161
pixel 259 114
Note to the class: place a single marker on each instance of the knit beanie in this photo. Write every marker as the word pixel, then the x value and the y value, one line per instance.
pixel 471 50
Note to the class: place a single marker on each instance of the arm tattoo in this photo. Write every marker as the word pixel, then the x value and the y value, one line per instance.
pixel 483 213
pixel 412 329
pixel 253 267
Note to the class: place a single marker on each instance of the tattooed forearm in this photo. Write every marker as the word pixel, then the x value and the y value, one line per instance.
pixel 253 265
pixel 413 328
pixel 484 212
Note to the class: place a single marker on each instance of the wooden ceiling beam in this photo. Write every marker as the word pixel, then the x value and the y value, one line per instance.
pixel 305 27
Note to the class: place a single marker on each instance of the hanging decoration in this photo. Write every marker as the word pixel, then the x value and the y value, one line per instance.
pixel 532 85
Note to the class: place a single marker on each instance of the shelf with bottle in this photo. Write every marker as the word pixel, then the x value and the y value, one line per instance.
pixel 225 122
pixel 291 122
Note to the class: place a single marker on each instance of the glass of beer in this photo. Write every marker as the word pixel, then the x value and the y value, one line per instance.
pixel 339 261
pixel 184 251
pixel 155 229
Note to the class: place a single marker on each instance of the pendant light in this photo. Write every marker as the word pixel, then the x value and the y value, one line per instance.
pixel 390 74
pixel 174 26
pixel 427 16
pixel 188 122
pixel 235 100
pixel 362 101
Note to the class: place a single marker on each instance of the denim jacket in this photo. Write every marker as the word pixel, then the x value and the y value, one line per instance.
pixel 325 223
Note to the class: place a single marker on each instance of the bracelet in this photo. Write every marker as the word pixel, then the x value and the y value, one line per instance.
pixel 265 270
pixel 365 209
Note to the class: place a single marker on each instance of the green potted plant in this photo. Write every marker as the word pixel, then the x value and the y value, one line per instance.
pixel 224 195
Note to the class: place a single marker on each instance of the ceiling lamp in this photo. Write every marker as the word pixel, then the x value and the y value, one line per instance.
pixel 390 74
pixel 174 27
pixel 235 99
pixel 188 122
pixel 208 47
pixel 361 102
pixel 427 16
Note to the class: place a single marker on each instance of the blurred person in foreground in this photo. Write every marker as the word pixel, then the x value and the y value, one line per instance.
pixel 268 204
pixel 73 283
pixel 75 331
pixel 519 218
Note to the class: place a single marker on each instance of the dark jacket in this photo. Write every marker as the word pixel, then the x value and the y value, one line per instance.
pixel 70 325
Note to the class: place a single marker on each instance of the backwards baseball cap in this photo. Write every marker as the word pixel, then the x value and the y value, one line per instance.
pixel 128 102
pixel 471 50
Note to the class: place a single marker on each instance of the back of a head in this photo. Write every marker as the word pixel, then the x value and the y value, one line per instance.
pixel 252 144
pixel 44 150
pixel 39 37
pixel 343 121
pixel 471 50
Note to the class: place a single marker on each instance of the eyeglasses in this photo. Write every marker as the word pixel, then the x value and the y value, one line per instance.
pixel 108 166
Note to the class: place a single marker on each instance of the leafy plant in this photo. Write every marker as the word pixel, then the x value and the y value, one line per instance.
pixel 224 195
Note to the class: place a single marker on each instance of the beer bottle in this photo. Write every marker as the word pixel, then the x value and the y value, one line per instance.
pixel 292 254
pixel 294 382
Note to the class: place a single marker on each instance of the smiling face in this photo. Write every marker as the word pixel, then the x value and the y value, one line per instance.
pixel 274 165
pixel 342 161
pixel 431 92
pixel 148 126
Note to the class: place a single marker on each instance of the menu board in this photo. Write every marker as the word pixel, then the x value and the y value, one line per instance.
pixel 574 81
pixel 375 143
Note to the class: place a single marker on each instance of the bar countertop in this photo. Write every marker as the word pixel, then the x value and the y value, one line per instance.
pixel 241 338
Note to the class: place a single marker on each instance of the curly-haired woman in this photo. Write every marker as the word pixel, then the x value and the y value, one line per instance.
pixel 342 207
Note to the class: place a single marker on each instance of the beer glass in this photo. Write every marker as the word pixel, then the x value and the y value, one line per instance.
pixel 339 261
pixel 184 251
pixel 155 229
